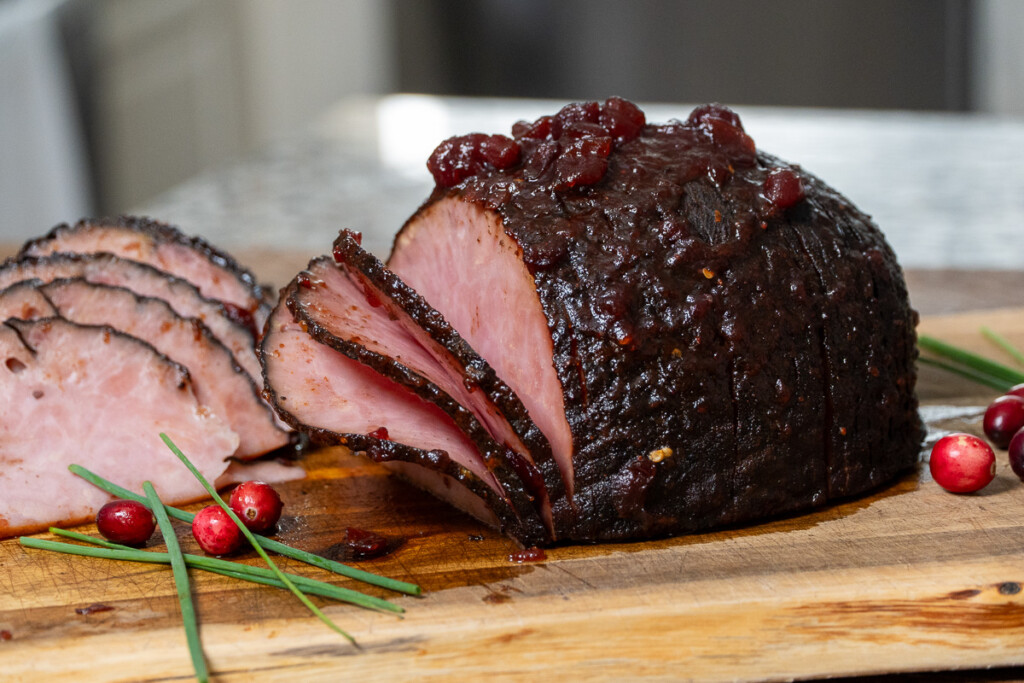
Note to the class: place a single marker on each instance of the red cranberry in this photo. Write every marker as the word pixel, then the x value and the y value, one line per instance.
pixel 125 521
pixel 1016 453
pixel 380 433
pixel 215 532
pixel 457 158
pixel 582 162
pixel 1004 417
pixel 783 188
pixel 579 112
pixel 499 151
pixel 1016 390
pixel 257 505
pixel 622 119
pixel 544 128
pixel 962 463
pixel 704 114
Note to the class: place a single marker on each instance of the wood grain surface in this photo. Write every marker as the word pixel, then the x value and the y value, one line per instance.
pixel 909 578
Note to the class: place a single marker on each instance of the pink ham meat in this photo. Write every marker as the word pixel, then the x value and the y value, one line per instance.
pixel 218 382
pixel 144 280
pixel 359 301
pixel 24 301
pixel 491 299
pixel 338 400
pixel 216 274
pixel 97 397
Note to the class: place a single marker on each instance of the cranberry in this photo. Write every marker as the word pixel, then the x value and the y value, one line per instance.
pixel 544 128
pixel 215 532
pixel 783 188
pixel 579 112
pixel 1004 417
pixel 1016 390
pixel 365 545
pixel 622 119
pixel 125 521
pixel 380 433
pixel 458 158
pixel 701 116
pixel 1016 453
pixel 499 151
pixel 962 463
pixel 582 162
pixel 257 505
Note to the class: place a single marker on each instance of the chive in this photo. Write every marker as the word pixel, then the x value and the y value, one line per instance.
pixel 235 569
pixel 996 371
pixel 966 372
pixel 268 543
pixel 252 540
pixel 188 610
pixel 1003 343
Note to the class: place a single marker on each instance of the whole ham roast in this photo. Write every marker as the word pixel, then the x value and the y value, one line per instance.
pixel 603 329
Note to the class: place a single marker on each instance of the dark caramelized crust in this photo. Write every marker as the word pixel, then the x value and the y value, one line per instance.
pixel 733 339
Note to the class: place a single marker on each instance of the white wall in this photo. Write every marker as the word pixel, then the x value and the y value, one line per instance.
pixel 183 85
pixel 998 83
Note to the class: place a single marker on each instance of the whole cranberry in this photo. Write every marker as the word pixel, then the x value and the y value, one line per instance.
pixel 125 521
pixel 1016 390
pixel 215 532
pixel 1016 453
pixel 962 463
pixel 257 505
pixel 1003 418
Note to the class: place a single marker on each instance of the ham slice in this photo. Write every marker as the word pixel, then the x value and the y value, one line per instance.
pixel 217 380
pixel 99 398
pixel 144 280
pixel 339 400
pixel 216 274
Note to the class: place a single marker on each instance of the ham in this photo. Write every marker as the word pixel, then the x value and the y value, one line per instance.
pixel 144 280
pixel 216 274
pixel 338 400
pixel 97 397
pixel 219 383
pixel 677 329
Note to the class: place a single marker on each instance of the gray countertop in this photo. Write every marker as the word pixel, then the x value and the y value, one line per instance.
pixel 947 189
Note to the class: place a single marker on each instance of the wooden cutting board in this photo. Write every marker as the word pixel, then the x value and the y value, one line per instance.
pixel 908 579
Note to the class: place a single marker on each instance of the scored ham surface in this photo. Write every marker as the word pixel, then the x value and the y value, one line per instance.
pixel 218 382
pixel 99 398
pixel 144 280
pixel 701 333
pixel 216 274
pixel 339 400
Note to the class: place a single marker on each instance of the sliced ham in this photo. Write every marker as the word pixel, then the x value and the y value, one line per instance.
pixel 357 300
pixel 337 399
pixel 144 280
pixel 217 380
pixel 216 274
pixel 23 300
pixel 99 398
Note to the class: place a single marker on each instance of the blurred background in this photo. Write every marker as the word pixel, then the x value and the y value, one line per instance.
pixel 108 105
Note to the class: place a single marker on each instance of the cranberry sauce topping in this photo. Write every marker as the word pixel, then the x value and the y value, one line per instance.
pixel 572 146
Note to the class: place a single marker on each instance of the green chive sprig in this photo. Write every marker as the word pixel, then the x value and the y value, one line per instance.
pixel 214 565
pixel 268 543
pixel 970 365
pixel 1003 343
pixel 252 540
pixel 181 583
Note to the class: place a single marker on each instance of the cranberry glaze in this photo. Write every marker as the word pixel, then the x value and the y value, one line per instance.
pixel 705 300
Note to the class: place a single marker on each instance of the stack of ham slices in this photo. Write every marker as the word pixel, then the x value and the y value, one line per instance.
pixel 115 331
